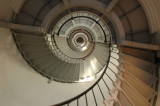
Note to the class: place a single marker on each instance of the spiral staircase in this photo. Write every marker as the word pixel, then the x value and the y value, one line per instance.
pixel 79 53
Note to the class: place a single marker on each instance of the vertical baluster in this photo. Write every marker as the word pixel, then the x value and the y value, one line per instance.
pixel 94 97
pixel 78 102
pixel 101 91
pixel 90 98
pixel 98 95
pixel 82 101
pixel 104 89
pixel 86 100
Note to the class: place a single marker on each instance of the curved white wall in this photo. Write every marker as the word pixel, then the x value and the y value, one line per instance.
pixel 20 85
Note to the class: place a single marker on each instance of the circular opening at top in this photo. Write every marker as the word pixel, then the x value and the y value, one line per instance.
pixel 80 40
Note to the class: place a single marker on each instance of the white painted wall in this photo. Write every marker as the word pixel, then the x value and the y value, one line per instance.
pixel 20 85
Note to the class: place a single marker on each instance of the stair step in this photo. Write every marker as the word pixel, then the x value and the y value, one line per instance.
pixel 147 92
pixel 81 72
pixel 63 72
pixel 77 71
pixel 40 60
pixel 145 65
pixel 29 38
pixel 139 53
pixel 35 54
pixel 71 74
pixel 48 63
pixel 123 99
pixel 70 69
pixel 115 55
pixel 142 75
pixel 140 45
pixel 51 70
pixel 32 47
pixel 136 98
